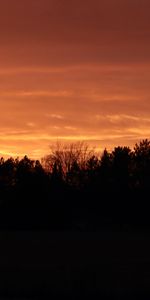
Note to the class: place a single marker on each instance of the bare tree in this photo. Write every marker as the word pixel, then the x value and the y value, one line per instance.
pixel 65 156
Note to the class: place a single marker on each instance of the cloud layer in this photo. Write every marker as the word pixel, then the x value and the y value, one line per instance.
pixel 73 70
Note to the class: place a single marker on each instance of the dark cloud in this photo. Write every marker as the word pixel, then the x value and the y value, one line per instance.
pixel 47 32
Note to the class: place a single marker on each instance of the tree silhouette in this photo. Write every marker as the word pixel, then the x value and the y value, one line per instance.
pixel 142 164
pixel 121 158
pixel 75 185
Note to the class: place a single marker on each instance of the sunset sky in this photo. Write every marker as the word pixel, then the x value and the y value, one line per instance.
pixel 73 70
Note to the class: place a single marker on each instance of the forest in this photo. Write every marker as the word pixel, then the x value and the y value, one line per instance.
pixel 76 188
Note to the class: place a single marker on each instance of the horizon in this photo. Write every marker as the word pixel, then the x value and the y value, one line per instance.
pixel 61 145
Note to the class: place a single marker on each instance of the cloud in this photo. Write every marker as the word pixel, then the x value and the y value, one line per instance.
pixel 55 116
pixel 73 71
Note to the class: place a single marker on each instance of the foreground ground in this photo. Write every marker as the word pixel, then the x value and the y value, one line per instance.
pixel 109 264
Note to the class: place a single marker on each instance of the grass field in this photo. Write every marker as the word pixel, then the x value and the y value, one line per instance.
pixel 107 264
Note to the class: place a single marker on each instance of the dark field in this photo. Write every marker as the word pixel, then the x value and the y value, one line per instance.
pixel 96 265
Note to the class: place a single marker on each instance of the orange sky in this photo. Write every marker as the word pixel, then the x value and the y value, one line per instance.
pixel 73 70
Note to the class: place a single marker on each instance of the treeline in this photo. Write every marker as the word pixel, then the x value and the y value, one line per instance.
pixel 75 188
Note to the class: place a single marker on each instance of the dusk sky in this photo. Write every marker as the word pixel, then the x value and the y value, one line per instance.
pixel 73 70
